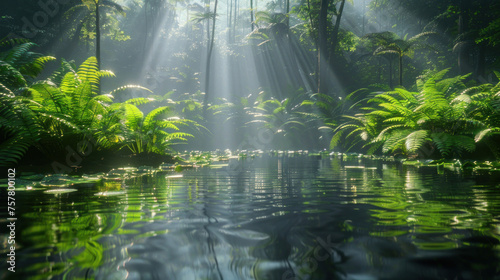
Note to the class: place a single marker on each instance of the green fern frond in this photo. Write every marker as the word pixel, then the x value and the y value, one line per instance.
pixel 148 121
pixel 68 84
pixel 179 136
pixel 12 150
pixel 133 116
pixel 395 108
pixel 464 142
pixel 10 76
pixel 60 120
pixel 129 87
pixel 14 55
pixel 462 98
pixel 79 99
pixel 89 72
pixel 395 119
pixel 336 139
pixel 381 136
pixel 49 92
pixel 58 75
pixel 415 140
pixel 12 41
pixel 358 130
pixel 485 132
pixel 104 98
pixel 395 140
pixel 35 67
pixel 166 124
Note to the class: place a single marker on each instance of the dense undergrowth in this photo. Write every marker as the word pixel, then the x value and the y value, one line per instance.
pixel 66 117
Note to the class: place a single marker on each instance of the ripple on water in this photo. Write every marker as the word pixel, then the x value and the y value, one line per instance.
pixel 277 218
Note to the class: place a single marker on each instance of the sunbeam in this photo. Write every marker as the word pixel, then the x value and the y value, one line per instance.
pixel 250 139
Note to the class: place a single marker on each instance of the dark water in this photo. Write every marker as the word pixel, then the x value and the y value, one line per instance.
pixel 271 218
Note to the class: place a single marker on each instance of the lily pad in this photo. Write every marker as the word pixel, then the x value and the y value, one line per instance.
pixel 120 173
pixel 144 169
pixel 218 166
pixel 111 193
pixel 174 176
pixel 55 180
pixel 32 177
pixel 167 166
pixel 60 191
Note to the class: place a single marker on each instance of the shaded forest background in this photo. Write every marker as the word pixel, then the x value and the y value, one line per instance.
pixel 314 73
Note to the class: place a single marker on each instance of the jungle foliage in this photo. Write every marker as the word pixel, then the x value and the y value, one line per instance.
pixel 68 107
pixel 361 76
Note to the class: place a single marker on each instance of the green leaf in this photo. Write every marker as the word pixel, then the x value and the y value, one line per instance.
pixel 415 140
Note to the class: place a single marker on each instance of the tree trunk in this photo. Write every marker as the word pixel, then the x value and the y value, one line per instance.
pixel 97 34
pixel 207 4
pixel 146 29
pixel 322 46
pixel 251 14
pixel 336 28
pixel 209 59
pixel 325 57
pixel 364 18
pixel 463 50
pixel 230 39
pixel 288 13
pixel 481 61
pixel 235 16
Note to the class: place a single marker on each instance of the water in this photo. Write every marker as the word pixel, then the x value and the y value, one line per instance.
pixel 265 218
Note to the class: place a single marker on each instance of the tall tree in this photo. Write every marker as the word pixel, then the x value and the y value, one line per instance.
pixel 251 15
pixel 209 60
pixel 328 41
pixel 93 11
pixel 390 43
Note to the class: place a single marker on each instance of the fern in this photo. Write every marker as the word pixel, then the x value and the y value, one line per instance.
pixel 66 67
pixel 89 72
pixel 129 87
pixel 11 77
pixel 34 68
pixel 18 126
pixel 415 140
pixel 148 121
pixel 395 140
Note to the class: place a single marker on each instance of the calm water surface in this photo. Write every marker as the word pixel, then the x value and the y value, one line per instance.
pixel 266 218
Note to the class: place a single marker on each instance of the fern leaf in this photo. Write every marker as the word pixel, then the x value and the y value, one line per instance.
pixel 336 139
pixel 148 121
pixel 442 142
pixel 463 142
pixel 166 124
pixel 395 140
pixel 34 68
pixel 68 84
pixel 179 136
pixel 129 87
pixel 133 116
pixel 415 140
pixel 89 72
pixel 483 133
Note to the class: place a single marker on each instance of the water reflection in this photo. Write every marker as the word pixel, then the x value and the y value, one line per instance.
pixel 268 218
